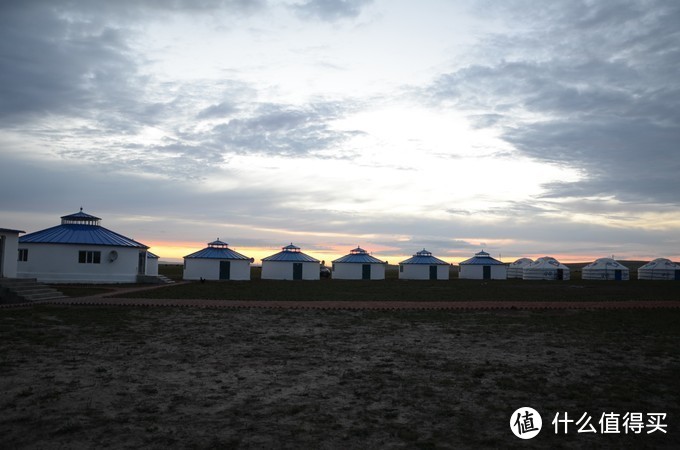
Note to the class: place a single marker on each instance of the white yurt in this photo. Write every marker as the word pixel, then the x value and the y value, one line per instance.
pixel 152 264
pixel 483 267
pixel 516 269
pixel 659 269
pixel 290 264
pixel 217 262
pixel 423 266
pixel 546 268
pixel 80 250
pixel 9 249
pixel 359 265
pixel 605 269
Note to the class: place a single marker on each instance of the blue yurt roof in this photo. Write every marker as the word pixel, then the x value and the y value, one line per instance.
pixel 150 255
pixel 290 253
pixel 216 250
pixel 482 259
pixel 359 255
pixel 424 257
pixel 82 229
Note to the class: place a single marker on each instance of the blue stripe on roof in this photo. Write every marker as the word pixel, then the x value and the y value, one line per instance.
pixel 80 234
pixel 290 256
pixel 216 253
pixel 359 258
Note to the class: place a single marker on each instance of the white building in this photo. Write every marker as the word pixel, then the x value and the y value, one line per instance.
pixel 546 268
pixel 423 266
pixel 359 265
pixel 290 264
pixel 217 262
pixel 605 269
pixel 9 245
pixel 516 269
pixel 483 267
pixel 659 269
pixel 152 264
pixel 80 251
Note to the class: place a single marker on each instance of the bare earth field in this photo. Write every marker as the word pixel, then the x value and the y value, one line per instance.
pixel 130 377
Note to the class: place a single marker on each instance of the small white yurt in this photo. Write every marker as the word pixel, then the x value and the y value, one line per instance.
pixel 9 249
pixel 546 268
pixel 217 262
pixel 290 264
pixel 359 265
pixel 483 267
pixel 659 269
pixel 605 269
pixel 151 264
pixel 516 269
pixel 423 266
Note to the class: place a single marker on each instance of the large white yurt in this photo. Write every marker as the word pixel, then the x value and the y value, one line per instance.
pixel 659 269
pixel 80 250
pixel 605 269
pixel 546 268
pixel 423 266
pixel 217 262
pixel 9 246
pixel 290 264
pixel 359 265
pixel 483 267
pixel 516 269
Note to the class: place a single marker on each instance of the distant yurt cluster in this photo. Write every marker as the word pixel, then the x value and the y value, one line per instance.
pixel 80 250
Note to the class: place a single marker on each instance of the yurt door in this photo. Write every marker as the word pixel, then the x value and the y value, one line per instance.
pixel 297 271
pixel 618 275
pixel 433 272
pixel 225 270
pixel 677 275
pixel 141 265
pixel 366 272
pixel 487 272
pixel 560 274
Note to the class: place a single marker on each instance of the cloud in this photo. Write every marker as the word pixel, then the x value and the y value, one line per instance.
pixel 284 130
pixel 331 10
pixel 586 85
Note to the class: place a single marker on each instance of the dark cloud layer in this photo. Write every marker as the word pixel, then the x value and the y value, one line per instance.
pixel 587 85
pixel 331 10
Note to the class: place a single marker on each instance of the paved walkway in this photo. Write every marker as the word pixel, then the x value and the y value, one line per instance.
pixel 108 300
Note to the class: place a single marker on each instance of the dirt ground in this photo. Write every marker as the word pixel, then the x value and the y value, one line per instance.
pixel 123 377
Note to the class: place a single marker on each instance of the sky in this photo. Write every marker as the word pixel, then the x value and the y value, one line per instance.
pixel 516 127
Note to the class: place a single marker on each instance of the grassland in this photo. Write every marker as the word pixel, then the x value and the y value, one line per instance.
pixel 129 377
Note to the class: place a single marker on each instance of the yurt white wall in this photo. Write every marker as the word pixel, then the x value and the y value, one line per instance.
pixel 605 269
pixel 56 263
pixel 422 271
pixel 209 269
pixel 516 269
pixel 476 272
pixel 151 265
pixel 354 271
pixel 9 244
pixel 659 269
pixel 283 270
pixel 546 268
